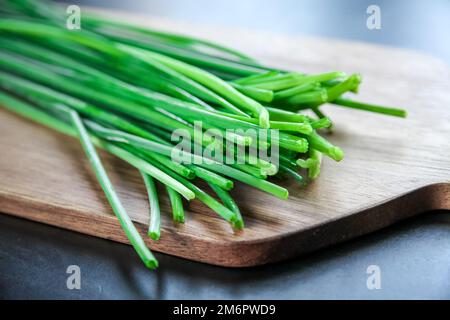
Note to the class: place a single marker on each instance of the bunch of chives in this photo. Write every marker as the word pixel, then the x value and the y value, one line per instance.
pixel 126 89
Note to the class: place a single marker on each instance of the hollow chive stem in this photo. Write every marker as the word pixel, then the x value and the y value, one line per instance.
pixel 321 144
pixel 178 168
pixel 295 79
pixel 289 171
pixel 216 84
pixel 255 77
pixel 308 98
pixel 140 143
pixel 126 156
pixel 257 94
pixel 212 177
pixel 229 202
pixel 46 98
pixel 349 84
pixel 135 110
pixel 38 92
pixel 125 221
pixel 30 112
pixel 370 107
pixel 285 115
pixel 304 128
pixel 182 80
pixel 312 163
pixel 35 29
pixel 286 93
pixel 176 204
pixel 72 87
pixel 324 122
pixel 181 39
pixel 201 195
pixel 264 185
pixel 149 169
pixel 154 229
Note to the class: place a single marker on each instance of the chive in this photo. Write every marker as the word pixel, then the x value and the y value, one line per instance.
pixel 201 195
pixel 323 122
pixel 312 163
pixel 176 167
pixel 179 41
pixel 285 115
pixel 34 29
pixel 134 86
pixel 308 98
pixel 287 170
pixel 264 185
pixel 370 107
pixel 229 202
pixel 349 84
pixel 130 108
pixel 121 105
pixel 321 144
pixel 150 170
pixel 181 79
pixel 154 230
pixel 215 84
pixel 287 161
pixel 209 164
pixel 293 80
pixel 177 205
pixel 319 113
pixel 261 95
pixel 286 93
pixel 212 177
pixel 26 110
pixel 258 76
pixel 304 128
pixel 125 221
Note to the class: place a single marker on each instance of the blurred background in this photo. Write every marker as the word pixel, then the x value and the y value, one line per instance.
pixel 416 24
pixel 414 256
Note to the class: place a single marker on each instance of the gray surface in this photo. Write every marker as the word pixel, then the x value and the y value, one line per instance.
pixel 417 24
pixel 414 256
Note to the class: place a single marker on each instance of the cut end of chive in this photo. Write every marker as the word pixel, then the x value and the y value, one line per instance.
pixel 264 122
pixel 284 194
pixel 302 163
pixel 152 264
pixel 236 221
pixel 189 174
pixel 190 196
pixel 154 235
pixel 401 113
pixel 336 153
pixel 239 224
pixel 305 128
pixel 229 185
pixel 302 145
pixel 324 95
pixel 321 123
pixel 269 170
pixel 179 219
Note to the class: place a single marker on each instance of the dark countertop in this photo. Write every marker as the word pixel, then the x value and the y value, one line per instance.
pixel 413 256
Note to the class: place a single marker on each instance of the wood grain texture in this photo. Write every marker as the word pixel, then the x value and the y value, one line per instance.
pixel 393 168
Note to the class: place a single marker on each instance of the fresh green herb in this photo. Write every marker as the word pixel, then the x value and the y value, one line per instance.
pixel 128 90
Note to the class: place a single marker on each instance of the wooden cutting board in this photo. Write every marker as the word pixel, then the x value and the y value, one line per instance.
pixel 393 168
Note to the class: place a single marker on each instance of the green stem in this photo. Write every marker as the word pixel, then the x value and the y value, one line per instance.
pixel 154 230
pixel 177 205
pixel 370 107
pixel 125 221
